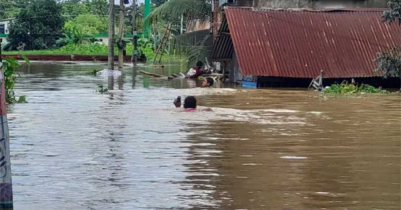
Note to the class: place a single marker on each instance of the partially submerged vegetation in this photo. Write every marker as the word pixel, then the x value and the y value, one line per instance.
pixel 10 78
pixel 102 89
pixel 346 89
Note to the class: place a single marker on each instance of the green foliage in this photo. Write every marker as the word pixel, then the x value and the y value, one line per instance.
pixel 74 35
pixel 193 46
pixel 37 26
pixel 173 9
pixel 83 49
pixel 86 49
pixel 98 7
pixel 8 9
pixel 10 78
pixel 74 8
pixel 71 9
pixel 390 62
pixel 394 13
pixel 93 72
pixel 145 47
pixel 345 88
pixel 88 23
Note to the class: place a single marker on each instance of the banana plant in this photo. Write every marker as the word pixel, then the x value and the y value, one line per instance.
pixel 10 78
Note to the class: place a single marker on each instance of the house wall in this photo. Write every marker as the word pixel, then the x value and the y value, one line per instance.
pixel 197 25
pixel 4 41
pixel 233 68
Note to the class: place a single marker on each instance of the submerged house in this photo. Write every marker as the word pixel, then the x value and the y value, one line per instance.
pixel 289 47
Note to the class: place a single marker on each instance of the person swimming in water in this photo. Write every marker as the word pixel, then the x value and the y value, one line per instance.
pixel 177 102
pixel 190 104
pixel 207 82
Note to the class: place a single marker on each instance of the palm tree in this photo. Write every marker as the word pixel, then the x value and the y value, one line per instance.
pixel 173 11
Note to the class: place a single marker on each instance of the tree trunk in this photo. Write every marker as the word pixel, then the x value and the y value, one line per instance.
pixel 111 36
pixel 215 23
pixel 121 36
pixel 134 34
pixel 1 60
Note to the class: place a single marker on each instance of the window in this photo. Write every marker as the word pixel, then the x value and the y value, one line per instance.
pixel 2 28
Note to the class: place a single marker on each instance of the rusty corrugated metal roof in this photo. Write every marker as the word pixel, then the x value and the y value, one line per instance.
pixel 300 44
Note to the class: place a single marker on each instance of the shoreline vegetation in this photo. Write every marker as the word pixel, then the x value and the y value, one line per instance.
pixel 355 90
pixel 92 49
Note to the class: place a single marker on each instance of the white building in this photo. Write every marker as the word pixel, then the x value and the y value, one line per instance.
pixel 5 26
pixel 4 30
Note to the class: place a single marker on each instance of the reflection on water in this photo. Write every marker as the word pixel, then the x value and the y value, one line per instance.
pixel 74 148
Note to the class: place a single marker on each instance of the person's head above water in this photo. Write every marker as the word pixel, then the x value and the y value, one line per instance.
pixel 190 102
pixel 207 82
pixel 199 64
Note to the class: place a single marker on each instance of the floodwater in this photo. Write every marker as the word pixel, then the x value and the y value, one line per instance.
pixel 75 148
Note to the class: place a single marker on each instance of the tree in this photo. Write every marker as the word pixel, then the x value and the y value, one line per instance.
pixel 37 26
pixel 73 35
pixel 394 13
pixel 10 8
pixel 173 9
pixel 98 7
pixel 390 61
pixel 73 9
pixel 90 24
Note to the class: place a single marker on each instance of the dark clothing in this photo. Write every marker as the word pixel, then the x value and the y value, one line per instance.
pixel 195 72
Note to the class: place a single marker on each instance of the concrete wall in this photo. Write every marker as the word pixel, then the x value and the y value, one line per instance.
pixel 197 25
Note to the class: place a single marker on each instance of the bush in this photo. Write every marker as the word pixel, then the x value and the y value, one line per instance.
pixel 345 88
pixel 84 49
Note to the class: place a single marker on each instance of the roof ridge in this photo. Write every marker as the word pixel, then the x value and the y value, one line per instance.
pixel 327 10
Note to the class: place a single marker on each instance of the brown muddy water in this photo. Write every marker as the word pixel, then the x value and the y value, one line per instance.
pixel 74 148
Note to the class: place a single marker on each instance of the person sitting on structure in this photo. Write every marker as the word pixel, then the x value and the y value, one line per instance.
pixel 207 82
pixel 196 71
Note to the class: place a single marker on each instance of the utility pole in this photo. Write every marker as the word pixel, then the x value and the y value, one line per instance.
pixel 121 36
pixel 182 24
pixel 111 36
pixel 134 58
pixel 6 195
pixel 146 30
